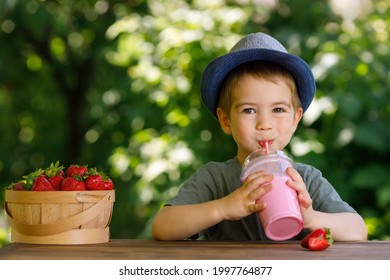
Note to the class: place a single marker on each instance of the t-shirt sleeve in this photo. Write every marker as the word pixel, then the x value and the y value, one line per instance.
pixel 212 181
pixel 196 189
pixel 325 198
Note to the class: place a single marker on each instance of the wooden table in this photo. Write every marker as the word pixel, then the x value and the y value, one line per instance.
pixel 131 249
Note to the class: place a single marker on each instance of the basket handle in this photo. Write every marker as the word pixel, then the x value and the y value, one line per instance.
pixel 62 225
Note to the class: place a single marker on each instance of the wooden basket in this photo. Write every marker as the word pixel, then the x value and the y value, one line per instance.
pixel 59 217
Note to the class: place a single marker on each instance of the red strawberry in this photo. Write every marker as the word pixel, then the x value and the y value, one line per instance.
pixel 55 175
pixel 98 180
pixel 56 181
pixel 19 186
pixel 76 170
pixel 318 243
pixel 94 182
pixel 108 185
pixel 42 184
pixel 319 239
pixel 29 179
pixel 72 184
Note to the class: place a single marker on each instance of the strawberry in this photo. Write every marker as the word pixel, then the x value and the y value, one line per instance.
pixel 76 170
pixel 94 182
pixel 29 179
pixel 55 175
pixel 98 180
pixel 42 184
pixel 317 240
pixel 56 181
pixel 72 184
pixel 108 185
pixel 19 186
pixel 318 243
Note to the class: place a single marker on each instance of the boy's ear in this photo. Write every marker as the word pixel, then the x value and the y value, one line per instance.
pixel 297 117
pixel 224 121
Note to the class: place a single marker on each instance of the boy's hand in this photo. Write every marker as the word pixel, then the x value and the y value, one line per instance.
pixel 304 198
pixel 242 202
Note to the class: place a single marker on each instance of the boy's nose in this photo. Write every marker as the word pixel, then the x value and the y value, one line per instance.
pixel 263 123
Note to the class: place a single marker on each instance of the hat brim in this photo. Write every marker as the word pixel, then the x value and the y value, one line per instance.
pixel 219 68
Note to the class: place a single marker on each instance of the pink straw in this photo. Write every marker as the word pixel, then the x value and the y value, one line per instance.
pixel 266 148
pixel 265 144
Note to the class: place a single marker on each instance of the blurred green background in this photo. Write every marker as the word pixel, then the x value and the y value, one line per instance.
pixel 115 84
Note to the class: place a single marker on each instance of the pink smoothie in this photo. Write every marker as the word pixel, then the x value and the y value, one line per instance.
pixel 281 218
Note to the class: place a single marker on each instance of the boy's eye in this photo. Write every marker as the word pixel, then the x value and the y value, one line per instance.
pixel 279 110
pixel 249 111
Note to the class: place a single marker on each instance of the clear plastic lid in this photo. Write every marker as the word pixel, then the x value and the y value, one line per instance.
pixel 275 162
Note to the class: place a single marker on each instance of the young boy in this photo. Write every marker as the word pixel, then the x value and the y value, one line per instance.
pixel 258 92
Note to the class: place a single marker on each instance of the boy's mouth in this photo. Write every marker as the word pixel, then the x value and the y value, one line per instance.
pixel 265 143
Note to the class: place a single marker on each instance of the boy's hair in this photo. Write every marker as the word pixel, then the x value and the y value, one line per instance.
pixel 257 69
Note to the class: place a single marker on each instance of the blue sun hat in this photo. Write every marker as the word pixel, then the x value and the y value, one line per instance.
pixel 256 47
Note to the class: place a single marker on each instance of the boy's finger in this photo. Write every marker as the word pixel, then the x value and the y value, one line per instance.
pixel 256 207
pixel 257 193
pixel 257 179
pixel 294 174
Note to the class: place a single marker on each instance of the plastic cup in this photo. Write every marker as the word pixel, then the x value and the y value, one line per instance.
pixel 282 217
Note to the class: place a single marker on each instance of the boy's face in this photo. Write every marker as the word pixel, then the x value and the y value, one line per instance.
pixel 260 110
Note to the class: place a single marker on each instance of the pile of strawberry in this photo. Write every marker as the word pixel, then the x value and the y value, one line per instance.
pixel 56 178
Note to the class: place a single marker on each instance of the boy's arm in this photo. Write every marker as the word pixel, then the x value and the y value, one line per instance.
pixel 344 226
pixel 182 221
pixel 178 222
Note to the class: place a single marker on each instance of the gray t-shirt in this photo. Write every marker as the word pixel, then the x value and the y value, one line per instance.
pixel 218 179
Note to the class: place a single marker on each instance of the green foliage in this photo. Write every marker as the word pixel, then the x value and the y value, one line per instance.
pixel 116 85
